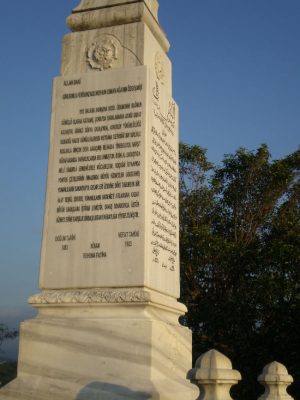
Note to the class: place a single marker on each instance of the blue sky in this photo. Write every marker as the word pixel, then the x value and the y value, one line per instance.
pixel 236 79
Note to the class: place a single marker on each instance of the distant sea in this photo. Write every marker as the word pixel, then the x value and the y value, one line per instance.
pixel 9 350
pixel 12 317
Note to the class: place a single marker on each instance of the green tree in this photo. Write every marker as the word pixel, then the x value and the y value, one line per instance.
pixel 8 372
pixel 240 258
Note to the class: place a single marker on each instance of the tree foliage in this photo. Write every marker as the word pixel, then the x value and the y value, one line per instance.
pixel 8 372
pixel 240 258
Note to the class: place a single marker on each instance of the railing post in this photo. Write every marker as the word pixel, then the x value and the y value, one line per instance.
pixel 275 378
pixel 214 376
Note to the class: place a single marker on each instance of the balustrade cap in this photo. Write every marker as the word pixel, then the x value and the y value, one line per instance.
pixel 214 366
pixel 275 372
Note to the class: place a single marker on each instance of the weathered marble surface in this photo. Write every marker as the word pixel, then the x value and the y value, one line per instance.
pixel 103 352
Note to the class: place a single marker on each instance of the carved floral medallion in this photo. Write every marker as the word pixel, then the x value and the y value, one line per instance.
pixel 103 54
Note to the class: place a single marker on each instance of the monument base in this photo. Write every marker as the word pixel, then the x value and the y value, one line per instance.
pixel 103 344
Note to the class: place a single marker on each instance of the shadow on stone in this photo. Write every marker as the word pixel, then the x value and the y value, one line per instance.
pixel 108 391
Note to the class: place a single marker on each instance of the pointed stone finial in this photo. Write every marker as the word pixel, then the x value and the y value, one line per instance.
pixel 214 376
pixel 275 378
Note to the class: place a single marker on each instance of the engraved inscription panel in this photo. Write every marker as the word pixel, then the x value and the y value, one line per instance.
pixel 163 191
pixel 111 216
pixel 94 219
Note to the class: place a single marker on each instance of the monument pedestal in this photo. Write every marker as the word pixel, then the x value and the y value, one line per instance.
pixel 103 344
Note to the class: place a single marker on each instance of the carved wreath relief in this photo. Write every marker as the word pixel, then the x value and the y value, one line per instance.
pixel 87 296
pixel 103 54
pixel 159 66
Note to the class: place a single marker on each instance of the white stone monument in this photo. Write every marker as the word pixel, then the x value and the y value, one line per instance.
pixel 107 324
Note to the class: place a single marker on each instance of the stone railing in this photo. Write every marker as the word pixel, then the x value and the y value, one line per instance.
pixel 214 376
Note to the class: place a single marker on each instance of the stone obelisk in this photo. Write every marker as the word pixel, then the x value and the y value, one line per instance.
pixel 107 324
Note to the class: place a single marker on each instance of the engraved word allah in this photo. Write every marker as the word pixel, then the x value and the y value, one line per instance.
pixel 159 66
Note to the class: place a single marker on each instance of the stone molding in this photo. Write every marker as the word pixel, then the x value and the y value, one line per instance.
pixel 90 296
pixel 109 296
pixel 118 15
pixel 87 5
